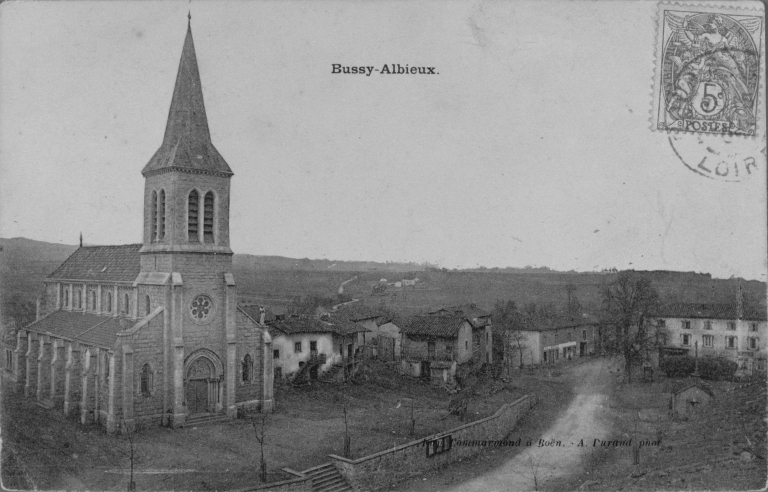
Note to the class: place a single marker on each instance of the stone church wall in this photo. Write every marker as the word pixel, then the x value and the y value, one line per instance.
pixel 249 341
pixel 148 349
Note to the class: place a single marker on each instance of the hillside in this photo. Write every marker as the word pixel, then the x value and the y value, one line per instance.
pixel 277 281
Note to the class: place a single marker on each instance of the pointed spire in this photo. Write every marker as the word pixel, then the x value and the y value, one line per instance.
pixel 187 140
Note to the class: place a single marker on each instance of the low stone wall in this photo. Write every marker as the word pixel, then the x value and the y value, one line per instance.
pixel 302 483
pixel 395 464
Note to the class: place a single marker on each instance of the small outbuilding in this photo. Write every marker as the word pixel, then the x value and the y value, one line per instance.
pixel 690 399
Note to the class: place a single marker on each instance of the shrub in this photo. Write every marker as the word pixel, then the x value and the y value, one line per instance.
pixel 716 368
pixel 677 366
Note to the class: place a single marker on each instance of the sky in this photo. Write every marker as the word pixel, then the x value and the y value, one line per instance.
pixel 530 146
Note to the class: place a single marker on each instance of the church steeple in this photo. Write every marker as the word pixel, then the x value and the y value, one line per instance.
pixel 187 141
pixel 187 182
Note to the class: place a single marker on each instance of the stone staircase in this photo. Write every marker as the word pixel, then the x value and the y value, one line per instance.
pixel 326 478
pixel 332 375
pixel 205 419
pixel 301 378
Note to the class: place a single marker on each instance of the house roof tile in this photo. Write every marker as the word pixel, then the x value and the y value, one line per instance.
pixel 728 311
pixel 437 326
pixel 101 264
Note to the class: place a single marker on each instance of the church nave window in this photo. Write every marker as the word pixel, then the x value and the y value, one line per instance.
pixel 93 300
pixel 65 297
pixel 247 368
pixel 208 218
pixel 148 303
pixel 108 307
pixel 126 303
pixel 192 217
pixel 153 232
pixel 146 382
pixel 161 216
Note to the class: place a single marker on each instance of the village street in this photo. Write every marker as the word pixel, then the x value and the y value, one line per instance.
pixel 587 418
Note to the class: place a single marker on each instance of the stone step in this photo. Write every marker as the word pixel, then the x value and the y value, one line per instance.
pixel 206 420
pixel 47 404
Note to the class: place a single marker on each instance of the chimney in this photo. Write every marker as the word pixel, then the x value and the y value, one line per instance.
pixel 262 315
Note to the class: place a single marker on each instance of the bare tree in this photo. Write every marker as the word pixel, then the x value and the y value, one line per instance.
pixel 570 289
pixel 518 338
pixel 129 432
pixel 345 417
pixel 628 303
pixel 259 425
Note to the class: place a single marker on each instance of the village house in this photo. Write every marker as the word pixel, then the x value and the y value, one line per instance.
pixel 433 345
pixel 308 347
pixel 549 341
pixel 151 332
pixel 725 330
pixel 480 320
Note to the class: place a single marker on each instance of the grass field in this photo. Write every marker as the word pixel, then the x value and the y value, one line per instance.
pixel 45 450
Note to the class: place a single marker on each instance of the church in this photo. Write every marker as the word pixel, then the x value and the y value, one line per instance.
pixel 151 333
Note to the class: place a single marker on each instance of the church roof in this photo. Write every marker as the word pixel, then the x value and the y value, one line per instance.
pixel 90 329
pixel 101 264
pixel 187 142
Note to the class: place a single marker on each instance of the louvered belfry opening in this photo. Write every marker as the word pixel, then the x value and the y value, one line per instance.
pixel 208 218
pixel 192 219
pixel 153 235
pixel 161 216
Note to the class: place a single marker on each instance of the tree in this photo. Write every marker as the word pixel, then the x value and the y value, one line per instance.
pixel 518 338
pixel 18 312
pixel 570 289
pixel 628 302
pixel 259 426
pixel 345 418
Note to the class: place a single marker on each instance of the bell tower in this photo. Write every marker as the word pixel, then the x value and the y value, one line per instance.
pixel 186 262
pixel 186 193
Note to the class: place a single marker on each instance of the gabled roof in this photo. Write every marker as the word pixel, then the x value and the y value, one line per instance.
pixel 726 311
pixel 436 326
pixel 311 324
pixel 356 312
pixel 685 385
pixel 101 264
pixel 187 141
pixel 561 322
pixel 469 311
pixel 477 317
pixel 90 329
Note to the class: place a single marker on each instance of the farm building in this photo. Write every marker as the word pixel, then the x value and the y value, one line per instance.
pixel 311 347
pixel 550 341
pixel 152 332
pixel 725 330
pixel 433 345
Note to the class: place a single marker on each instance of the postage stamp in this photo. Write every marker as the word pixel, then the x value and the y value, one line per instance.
pixel 708 73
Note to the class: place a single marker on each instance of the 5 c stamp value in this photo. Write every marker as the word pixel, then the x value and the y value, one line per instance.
pixel 709 71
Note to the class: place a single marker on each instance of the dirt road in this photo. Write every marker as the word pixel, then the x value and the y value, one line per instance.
pixel 584 419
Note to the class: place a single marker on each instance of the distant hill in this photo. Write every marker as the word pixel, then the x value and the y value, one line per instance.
pixel 278 280
pixel 283 263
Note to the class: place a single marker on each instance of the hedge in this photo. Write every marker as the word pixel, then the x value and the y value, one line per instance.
pixel 712 368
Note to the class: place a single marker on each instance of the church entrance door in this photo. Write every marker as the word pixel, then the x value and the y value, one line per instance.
pixel 197 396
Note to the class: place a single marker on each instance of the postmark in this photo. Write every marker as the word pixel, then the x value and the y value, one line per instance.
pixel 709 69
pixel 723 158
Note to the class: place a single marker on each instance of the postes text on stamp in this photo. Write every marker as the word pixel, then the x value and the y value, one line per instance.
pixel 708 69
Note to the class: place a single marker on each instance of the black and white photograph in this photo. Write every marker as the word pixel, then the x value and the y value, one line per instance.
pixel 336 245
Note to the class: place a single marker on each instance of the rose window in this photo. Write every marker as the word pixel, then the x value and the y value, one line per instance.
pixel 201 308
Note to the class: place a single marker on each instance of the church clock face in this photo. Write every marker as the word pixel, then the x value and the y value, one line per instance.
pixel 202 309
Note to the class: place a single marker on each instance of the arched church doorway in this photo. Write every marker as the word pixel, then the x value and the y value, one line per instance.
pixel 202 383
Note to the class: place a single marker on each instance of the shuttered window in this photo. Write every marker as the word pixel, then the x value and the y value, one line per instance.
pixel 153 232
pixel 192 218
pixel 161 216
pixel 208 218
